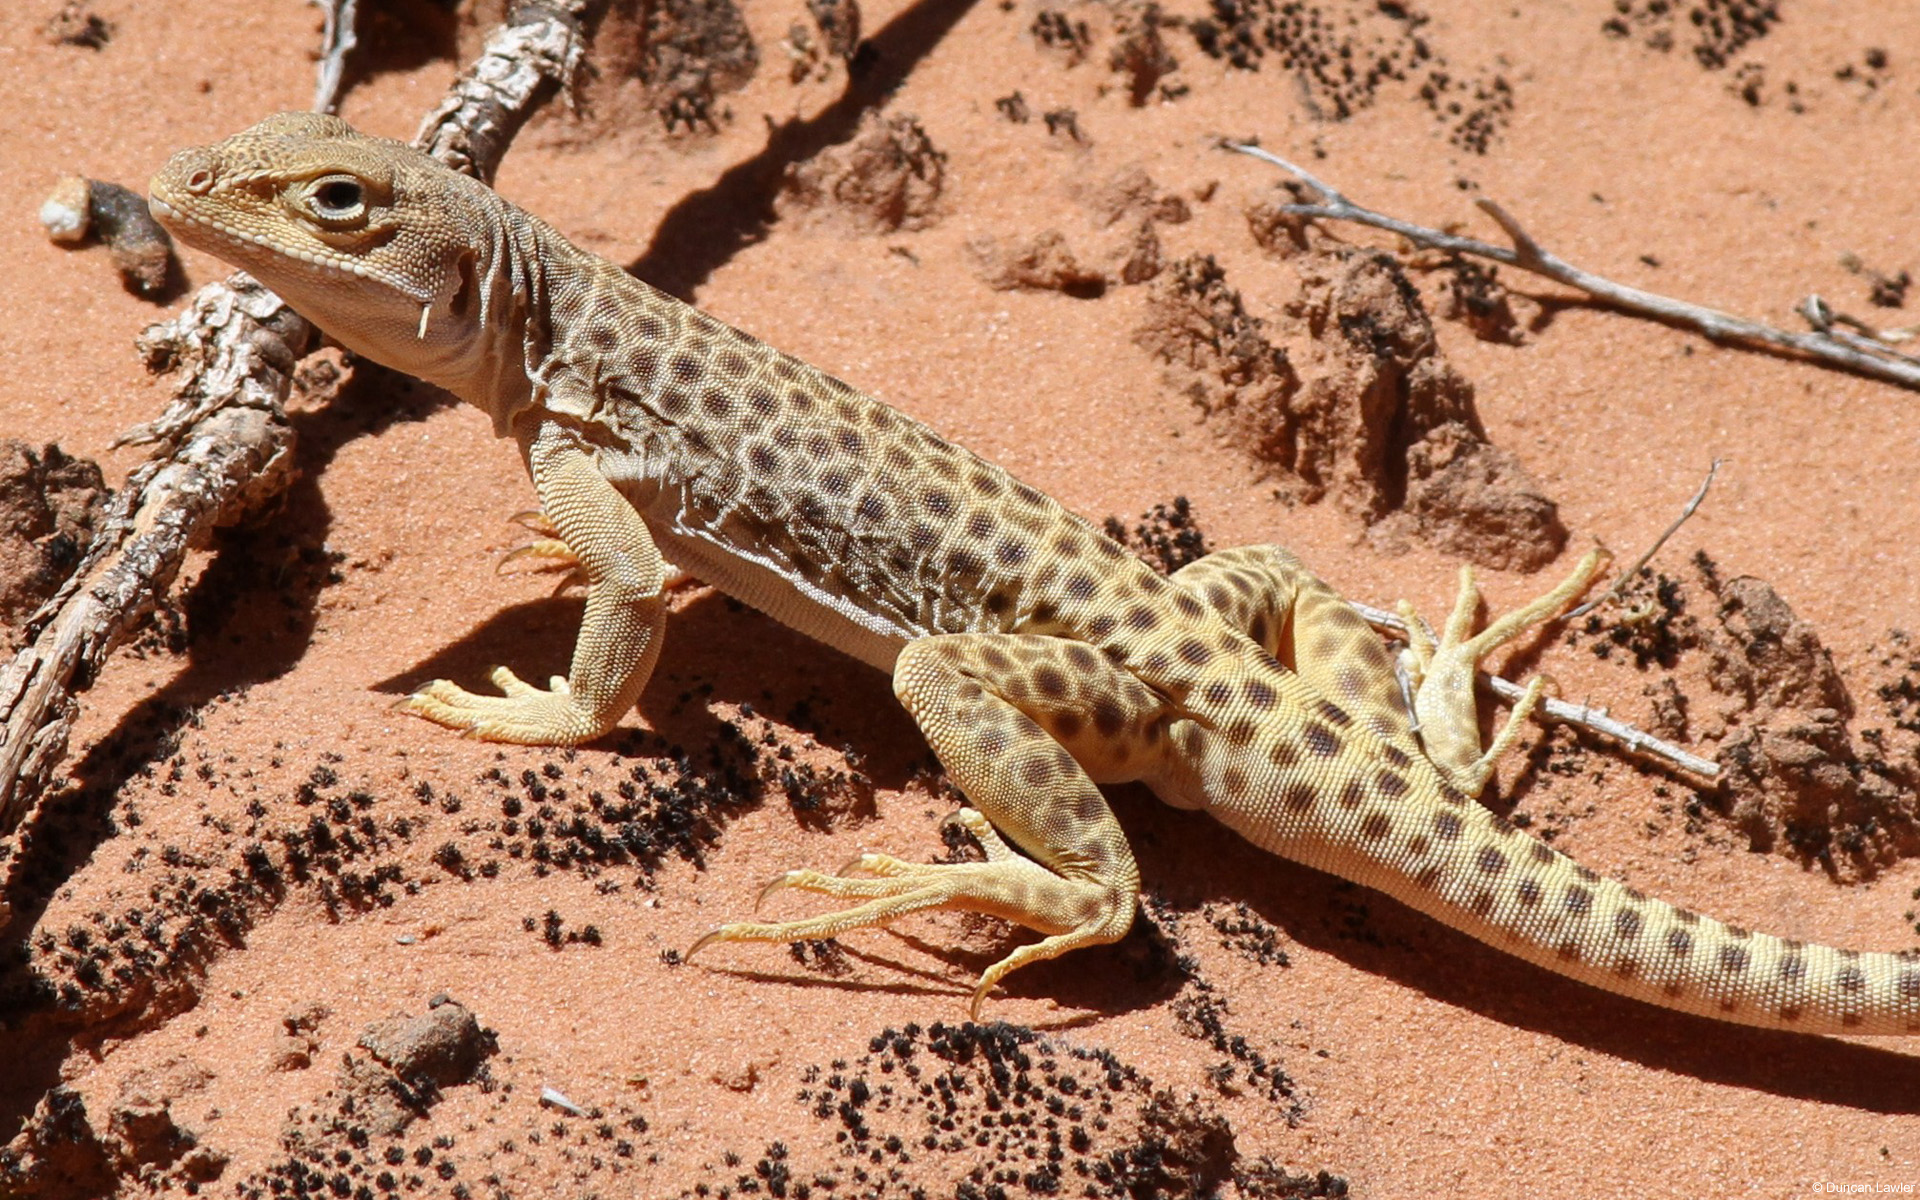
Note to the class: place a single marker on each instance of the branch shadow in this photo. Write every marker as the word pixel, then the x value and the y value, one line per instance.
pixel 707 228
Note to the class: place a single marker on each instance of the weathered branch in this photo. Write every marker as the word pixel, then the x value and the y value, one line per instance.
pixel 1584 715
pixel 224 444
pixel 338 37
pixel 1619 581
pixel 1863 356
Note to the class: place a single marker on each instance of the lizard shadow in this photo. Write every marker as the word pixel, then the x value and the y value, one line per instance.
pixel 1377 934
pixel 705 229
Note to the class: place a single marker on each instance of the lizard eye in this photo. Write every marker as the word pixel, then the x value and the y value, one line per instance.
pixel 338 199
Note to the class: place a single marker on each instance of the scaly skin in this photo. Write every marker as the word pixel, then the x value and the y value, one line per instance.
pixel 1038 657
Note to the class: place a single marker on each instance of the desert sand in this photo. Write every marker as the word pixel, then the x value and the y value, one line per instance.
pixel 260 887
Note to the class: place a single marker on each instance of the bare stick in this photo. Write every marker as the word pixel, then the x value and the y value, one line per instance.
pixel 337 40
pixel 1861 356
pixel 1584 715
pixel 1620 580
pixel 224 445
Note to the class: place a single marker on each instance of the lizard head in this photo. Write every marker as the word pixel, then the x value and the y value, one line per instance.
pixel 362 235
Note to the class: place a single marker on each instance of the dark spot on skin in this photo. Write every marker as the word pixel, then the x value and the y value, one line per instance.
pixel 1635 894
pixel 1849 979
pixel 984 484
pixel 994 657
pixel 1427 877
pixel 1321 741
pixel 1142 618
pixel 1240 732
pixel 1284 753
pixel 1260 694
pixel 1192 651
pixel 1418 845
pixel 1793 944
pixel 1102 627
pixel 1626 924
pixel 1257 630
pixel 1453 795
pixel 1738 931
pixel 763 460
pixel 1910 984
pixel 1334 714
pixel 1793 967
pixel 964 564
pixel 1188 606
pixel 994 742
pixel 1789 1012
pixel 939 503
pixel 675 401
pixel 1490 861
pixel 1627 968
pixel 1733 959
pixel 1029 497
pixel 1502 826
pixel 1234 780
pixel 1542 853
pixel 1050 682
pixel 1481 904
pixel 1585 875
pixel 1390 784
pixel 1082 587
pixel 1529 893
pixel 1579 900
pixel 1037 772
pixel 1352 794
pixel 980 524
pixel 685 367
pixel 1569 951
pixel 1675 988
pixel 1108 720
pixel 1850 1019
pixel 1067 725
pixel 1395 756
pixel 1679 943
pixel 1081 659
pixel 1069 546
pixel 1686 916
pixel 852 442
pixel 1446 826
pixel 1011 553
pixel 1298 797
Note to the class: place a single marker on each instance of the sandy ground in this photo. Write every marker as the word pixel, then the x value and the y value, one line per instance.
pixel 1299 1024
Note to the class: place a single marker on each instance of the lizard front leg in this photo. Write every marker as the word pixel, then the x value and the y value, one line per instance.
pixel 619 639
pixel 1012 717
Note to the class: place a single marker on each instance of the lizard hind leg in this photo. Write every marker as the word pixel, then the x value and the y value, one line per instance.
pixel 1271 596
pixel 1443 675
pixel 1012 717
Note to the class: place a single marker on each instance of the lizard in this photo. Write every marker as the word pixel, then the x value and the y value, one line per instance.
pixel 1038 657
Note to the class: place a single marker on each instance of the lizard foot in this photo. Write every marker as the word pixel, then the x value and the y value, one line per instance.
pixel 1071 912
pixel 1443 674
pixel 526 715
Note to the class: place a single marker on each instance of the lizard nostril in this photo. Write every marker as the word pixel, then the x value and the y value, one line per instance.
pixel 200 182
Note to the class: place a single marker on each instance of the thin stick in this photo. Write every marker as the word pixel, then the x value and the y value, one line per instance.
pixel 1860 356
pixel 1620 580
pixel 337 40
pixel 1586 716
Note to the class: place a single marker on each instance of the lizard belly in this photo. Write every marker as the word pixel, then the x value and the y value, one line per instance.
pixel 794 602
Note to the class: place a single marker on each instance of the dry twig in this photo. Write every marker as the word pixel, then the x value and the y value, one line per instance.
pixel 1620 580
pixel 337 40
pixel 1863 356
pixel 224 444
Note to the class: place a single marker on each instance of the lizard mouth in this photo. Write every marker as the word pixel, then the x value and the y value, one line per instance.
pixel 227 241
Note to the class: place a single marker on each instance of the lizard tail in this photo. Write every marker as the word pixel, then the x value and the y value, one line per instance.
pixel 1478 872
